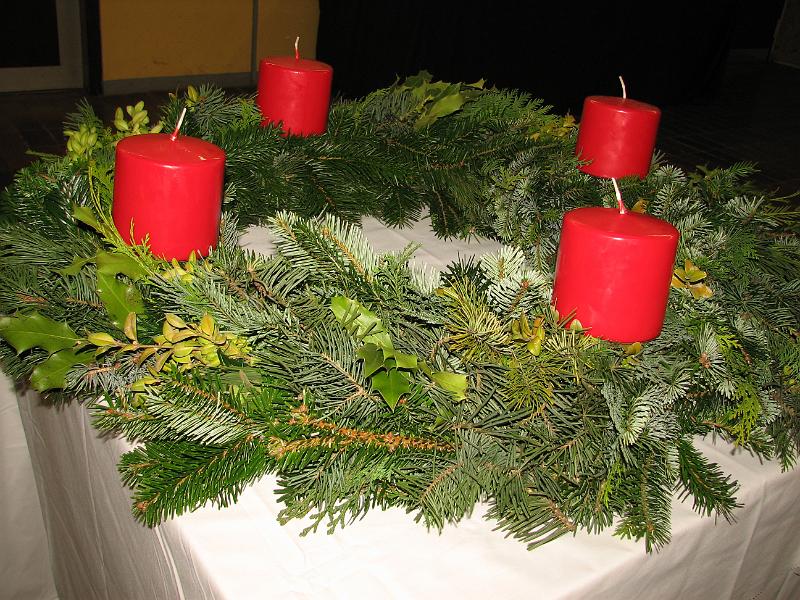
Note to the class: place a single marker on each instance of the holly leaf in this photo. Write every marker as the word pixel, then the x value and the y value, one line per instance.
pixel 441 108
pixel 75 267
pixel 119 298
pixel 109 263
pixel 414 81
pixel 391 385
pixel 84 214
pixel 405 361
pixel 425 368
pixel 455 383
pixel 362 323
pixel 373 358
pixel 52 373
pixel 37 331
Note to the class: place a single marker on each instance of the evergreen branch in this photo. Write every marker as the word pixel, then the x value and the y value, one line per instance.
pixel 557 431
pixel 196 474
pixel 390 441
pixel 711 491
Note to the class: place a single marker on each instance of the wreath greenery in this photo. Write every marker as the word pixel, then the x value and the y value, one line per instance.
pixel 363 382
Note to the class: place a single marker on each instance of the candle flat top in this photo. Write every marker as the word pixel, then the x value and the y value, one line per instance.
pixel 629 225
pixel 160 148
pixel 622 104
pixel 296 64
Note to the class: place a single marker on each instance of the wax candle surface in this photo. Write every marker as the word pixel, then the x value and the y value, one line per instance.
pixel 170 188
pixel 614 270
pixel 296 92
pixel 617 135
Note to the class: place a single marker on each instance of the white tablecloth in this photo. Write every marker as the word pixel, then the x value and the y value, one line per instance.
pixel 99 551
pixel 24 557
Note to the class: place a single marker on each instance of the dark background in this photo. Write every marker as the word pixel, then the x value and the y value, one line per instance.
pixel 667 52
pixel 705 64
pixel 28 33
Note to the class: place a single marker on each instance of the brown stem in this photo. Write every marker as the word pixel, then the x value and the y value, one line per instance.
pixel 523 289
pixel 327 233
pixel 569 525
pixel 360 390
pixel 263 290
pixel 391 441
pixel 437 480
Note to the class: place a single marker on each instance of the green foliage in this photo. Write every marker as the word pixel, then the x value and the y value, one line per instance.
pixel 52 372
pixel 437 99
pixel 362 382
pixel 37 331
pixel 120 298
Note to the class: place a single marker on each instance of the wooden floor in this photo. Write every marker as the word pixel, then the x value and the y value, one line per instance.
pixel 753 116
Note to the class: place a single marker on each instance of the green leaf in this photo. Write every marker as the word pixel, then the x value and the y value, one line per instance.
pixel 425 368
pixel 52 372
pixel 207 324
pixel 161 360
pixel 391 385
pixel 373 358
pixel 441 108
pixel 418 80
pixel 84 214
pixel 101 339
pixel 37 331
pixel 130 327
pixel 362 323
pixel 119 299
pixel 175 321
pixel 455 383
pixel 77 264
pixel 109 263
pixel 535 346
pixel 405 361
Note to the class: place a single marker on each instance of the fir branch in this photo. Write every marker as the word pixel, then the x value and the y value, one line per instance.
pixel 556 431
pixel 390 441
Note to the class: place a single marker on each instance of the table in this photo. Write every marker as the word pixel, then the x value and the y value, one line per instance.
pixel 99 552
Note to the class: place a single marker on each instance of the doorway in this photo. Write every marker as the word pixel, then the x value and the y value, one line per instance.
pixel 41 45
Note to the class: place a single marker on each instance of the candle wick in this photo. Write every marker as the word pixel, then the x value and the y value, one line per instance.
pixel 622 82
pixel 174 135
pixel 297 48
pixel 620 203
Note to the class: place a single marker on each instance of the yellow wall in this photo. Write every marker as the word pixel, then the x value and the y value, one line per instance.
pixel 281 21
pixel 154 38
pixel 173 38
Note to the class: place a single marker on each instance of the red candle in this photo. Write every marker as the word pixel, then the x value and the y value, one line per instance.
pixel 617 136
pixel 296 92
pixel 614 271
pixel 169 187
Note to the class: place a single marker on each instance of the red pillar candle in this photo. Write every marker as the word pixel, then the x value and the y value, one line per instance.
pixel 614 271
pixel 169 187
pixel 617 136
pixel 296 92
